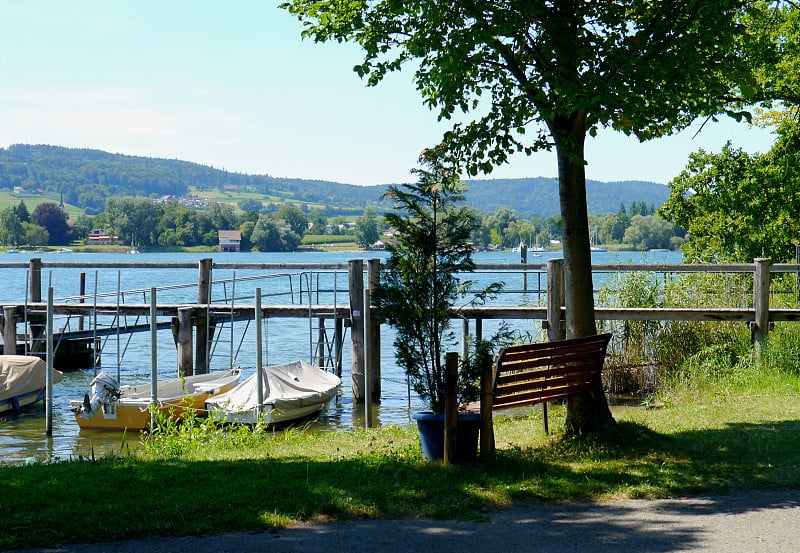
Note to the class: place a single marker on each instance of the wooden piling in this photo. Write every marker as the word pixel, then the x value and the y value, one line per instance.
pixel 81 293
pixel 356 287
pixel 373 278
pixel 49 364
pixel 36 322
pixel 183 341
pixel 338 339
pixel 368 361
pixel 35 280
pixel 9 329
pixel 202 322
pixel 523 258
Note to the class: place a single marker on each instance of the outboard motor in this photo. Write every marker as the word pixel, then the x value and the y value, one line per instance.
pixel 105 390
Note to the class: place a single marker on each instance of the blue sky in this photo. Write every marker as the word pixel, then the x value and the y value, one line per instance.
pixel 232 85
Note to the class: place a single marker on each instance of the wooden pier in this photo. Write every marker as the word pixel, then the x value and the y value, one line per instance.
pixel 195 326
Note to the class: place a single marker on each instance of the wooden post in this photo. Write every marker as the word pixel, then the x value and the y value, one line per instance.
pixel 450 408
pixel 36 322
pixel 9 330
pixel 49 366
pixel 183 341
pixel 153 358
pixel 356 287
pixel 761 285
pixel 487 424
pixel 373 278
pixel 259 359
pixel 338 332
pixel 367 361
pixel 203 297
pixel 555 299
pixel 321 342
pixel 81 293
pixel 523 258
pixel 35 280
pixel 464 338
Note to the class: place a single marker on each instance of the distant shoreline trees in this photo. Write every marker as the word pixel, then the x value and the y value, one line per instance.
pixel 149 223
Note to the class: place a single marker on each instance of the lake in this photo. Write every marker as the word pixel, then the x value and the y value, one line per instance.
pixel 285 340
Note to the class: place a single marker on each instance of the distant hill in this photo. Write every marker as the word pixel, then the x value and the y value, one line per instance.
pixel 87 177
pixel 539 196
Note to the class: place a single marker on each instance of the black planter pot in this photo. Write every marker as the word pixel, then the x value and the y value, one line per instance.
pixel 431 435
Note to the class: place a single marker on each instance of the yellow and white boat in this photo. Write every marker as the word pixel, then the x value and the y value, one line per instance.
pixel 114 407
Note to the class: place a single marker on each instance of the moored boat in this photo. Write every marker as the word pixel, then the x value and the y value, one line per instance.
pixel 290 391
pixel 22 381
pixel 114 407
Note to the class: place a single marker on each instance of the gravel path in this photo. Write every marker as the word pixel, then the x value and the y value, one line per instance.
pixel 744 521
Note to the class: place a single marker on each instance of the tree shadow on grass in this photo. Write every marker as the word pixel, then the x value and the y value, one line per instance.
pixel 557 489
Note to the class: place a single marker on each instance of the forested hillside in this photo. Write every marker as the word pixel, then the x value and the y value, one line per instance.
pixel 87 177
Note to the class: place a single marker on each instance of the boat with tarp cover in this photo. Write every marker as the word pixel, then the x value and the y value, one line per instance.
pixel 23 379
pixel 290 392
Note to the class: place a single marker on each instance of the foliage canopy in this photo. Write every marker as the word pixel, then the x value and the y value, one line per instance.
pixel 563 68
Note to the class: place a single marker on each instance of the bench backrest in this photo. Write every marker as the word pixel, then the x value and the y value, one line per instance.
pixel 535 373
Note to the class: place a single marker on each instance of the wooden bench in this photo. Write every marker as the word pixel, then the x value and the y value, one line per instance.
pixel 530 374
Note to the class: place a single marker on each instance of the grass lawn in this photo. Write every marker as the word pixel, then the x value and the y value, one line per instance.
pixel 210 480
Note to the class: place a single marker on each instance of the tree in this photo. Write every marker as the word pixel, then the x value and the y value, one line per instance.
pixel 250 204
pixel 273 235
pixel 52 218
pixel 296 219
pixel 11 230
pixel 22 212
pixel 223 217
pixel 648 232
pixel 367 228
pixel 738 206
pixel 135 219
pixel 34 235
pixel 424 276
pixel 570 68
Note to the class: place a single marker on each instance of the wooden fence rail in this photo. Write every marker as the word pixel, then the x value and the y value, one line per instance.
pixel 760 316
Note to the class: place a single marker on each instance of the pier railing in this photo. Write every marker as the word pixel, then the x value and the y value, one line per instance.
pixel 192 322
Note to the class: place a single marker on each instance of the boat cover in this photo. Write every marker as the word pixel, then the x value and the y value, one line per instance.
pixel 20 374
pixel 286 387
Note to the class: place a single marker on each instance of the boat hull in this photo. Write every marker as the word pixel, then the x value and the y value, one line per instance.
pixel 22 381
pixel 132 410
pixel 290 392
pixel 270 415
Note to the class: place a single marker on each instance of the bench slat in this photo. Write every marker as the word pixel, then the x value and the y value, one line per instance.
pixel 587 368
pixel 542 383
pixel 531 362
pixel 540 396
pixel 536 373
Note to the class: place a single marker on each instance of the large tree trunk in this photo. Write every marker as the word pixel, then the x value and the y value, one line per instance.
pixel 588 413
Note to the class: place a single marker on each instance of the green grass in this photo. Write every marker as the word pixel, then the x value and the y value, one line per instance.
pixel 707 438
pixel 10 199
